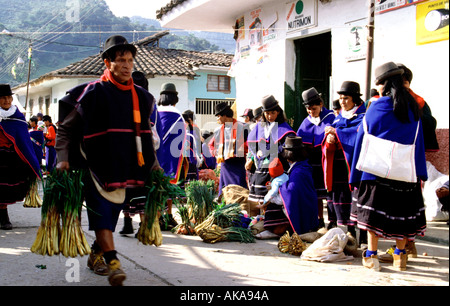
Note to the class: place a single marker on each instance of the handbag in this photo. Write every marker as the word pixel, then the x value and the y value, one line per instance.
pixel 387 159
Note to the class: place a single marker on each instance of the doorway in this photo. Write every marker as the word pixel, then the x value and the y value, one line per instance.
pixel 312 69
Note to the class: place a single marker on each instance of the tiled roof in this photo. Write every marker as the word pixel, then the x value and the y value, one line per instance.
pixel 168 7
pixel 151 60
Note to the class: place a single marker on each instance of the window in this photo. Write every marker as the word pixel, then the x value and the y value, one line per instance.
pixel 218 83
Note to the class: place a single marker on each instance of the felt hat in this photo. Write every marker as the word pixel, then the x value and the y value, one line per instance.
pixel 168 88
pixel 248 113
pixel 220 108
pixel 257 112
pixel 336 105
pixel 350 88
pixel 5 90
pixel 117 41
pixel 140 79
pixel 407 73
pixel 311 97
pixel 205 134
pixel 269 103
pixel 293 143
pixel 188 114
pixel 386 71
pixel 276 167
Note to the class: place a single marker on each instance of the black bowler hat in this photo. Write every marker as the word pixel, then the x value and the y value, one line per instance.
pixel 293 143
pixel 257 112
pixel 168 88
pixel 350 88
pixel 311 97
pixel 269 103
pixel 140 79
pixel 5 90
pixel 407 73
pixel 221 108
pixel 117 41
pixel 386 71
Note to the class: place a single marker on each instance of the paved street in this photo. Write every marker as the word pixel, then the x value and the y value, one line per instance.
pixel 187 261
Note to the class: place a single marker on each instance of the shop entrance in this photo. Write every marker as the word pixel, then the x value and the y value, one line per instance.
pixel 312 69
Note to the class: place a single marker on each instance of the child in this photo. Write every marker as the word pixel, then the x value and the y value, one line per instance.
pixel 273 197
pixel 276 171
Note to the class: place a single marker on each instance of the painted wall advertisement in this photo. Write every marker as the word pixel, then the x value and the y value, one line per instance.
pixel 382 6
pixel 301 15
pixel 432 20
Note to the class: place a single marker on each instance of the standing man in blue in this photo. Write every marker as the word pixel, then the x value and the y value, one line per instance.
pixel 108 132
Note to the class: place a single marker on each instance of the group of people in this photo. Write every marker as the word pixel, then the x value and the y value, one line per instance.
pixel 115 128
pixel 43 136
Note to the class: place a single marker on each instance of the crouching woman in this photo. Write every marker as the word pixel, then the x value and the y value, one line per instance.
pixel 298 193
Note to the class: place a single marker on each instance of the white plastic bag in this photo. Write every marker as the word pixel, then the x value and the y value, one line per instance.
pixel 328 248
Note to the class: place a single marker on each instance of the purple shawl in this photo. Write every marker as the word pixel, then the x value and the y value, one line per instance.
pixel 313 134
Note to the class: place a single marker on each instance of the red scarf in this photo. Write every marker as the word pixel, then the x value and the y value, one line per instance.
pixel 107 76
pixel 418 99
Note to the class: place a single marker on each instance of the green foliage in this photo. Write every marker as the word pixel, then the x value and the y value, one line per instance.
pixel 68 40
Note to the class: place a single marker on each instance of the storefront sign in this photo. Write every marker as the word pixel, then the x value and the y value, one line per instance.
pixel 301 15
pixel 432 21
pixel 357 43
pixel 382 6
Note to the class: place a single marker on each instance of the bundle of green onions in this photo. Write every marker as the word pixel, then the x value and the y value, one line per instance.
pixel 215 234
pixel 32 199
pixel 221 225
pixel 186 227
pixel 200 199
pixel 63 199
pixel 159 191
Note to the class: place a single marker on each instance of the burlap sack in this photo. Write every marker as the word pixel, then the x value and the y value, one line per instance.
pixel 238 194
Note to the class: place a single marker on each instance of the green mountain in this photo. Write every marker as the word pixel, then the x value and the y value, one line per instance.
pixel 61 32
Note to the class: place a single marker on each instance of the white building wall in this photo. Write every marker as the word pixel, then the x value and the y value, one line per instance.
pixel 395 40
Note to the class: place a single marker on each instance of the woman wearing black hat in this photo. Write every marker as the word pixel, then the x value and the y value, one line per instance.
pixel 265 143
pixel 386 208
pixel 18 162
pixel 173 137
pixel 229 146
pixel 337 150
pixel 312 131
pixel 192 151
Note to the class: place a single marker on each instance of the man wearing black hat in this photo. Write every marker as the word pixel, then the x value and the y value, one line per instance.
pixel 118 153
pixel 229 146
pixel 18 162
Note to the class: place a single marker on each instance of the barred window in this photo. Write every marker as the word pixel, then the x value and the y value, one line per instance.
pixel 218 83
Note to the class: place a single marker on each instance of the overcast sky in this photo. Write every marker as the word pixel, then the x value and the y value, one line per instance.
pixel 129 8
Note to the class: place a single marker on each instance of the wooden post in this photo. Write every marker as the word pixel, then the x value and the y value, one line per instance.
pixel 370 42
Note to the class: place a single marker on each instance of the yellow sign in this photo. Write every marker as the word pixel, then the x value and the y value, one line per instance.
pixel 432 19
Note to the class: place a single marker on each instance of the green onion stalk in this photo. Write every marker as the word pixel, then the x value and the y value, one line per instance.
pixel 200 199
pixel 60 229
pixel 159 191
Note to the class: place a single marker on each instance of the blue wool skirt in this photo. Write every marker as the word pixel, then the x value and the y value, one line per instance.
pixel 232 172
pixel 390 209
